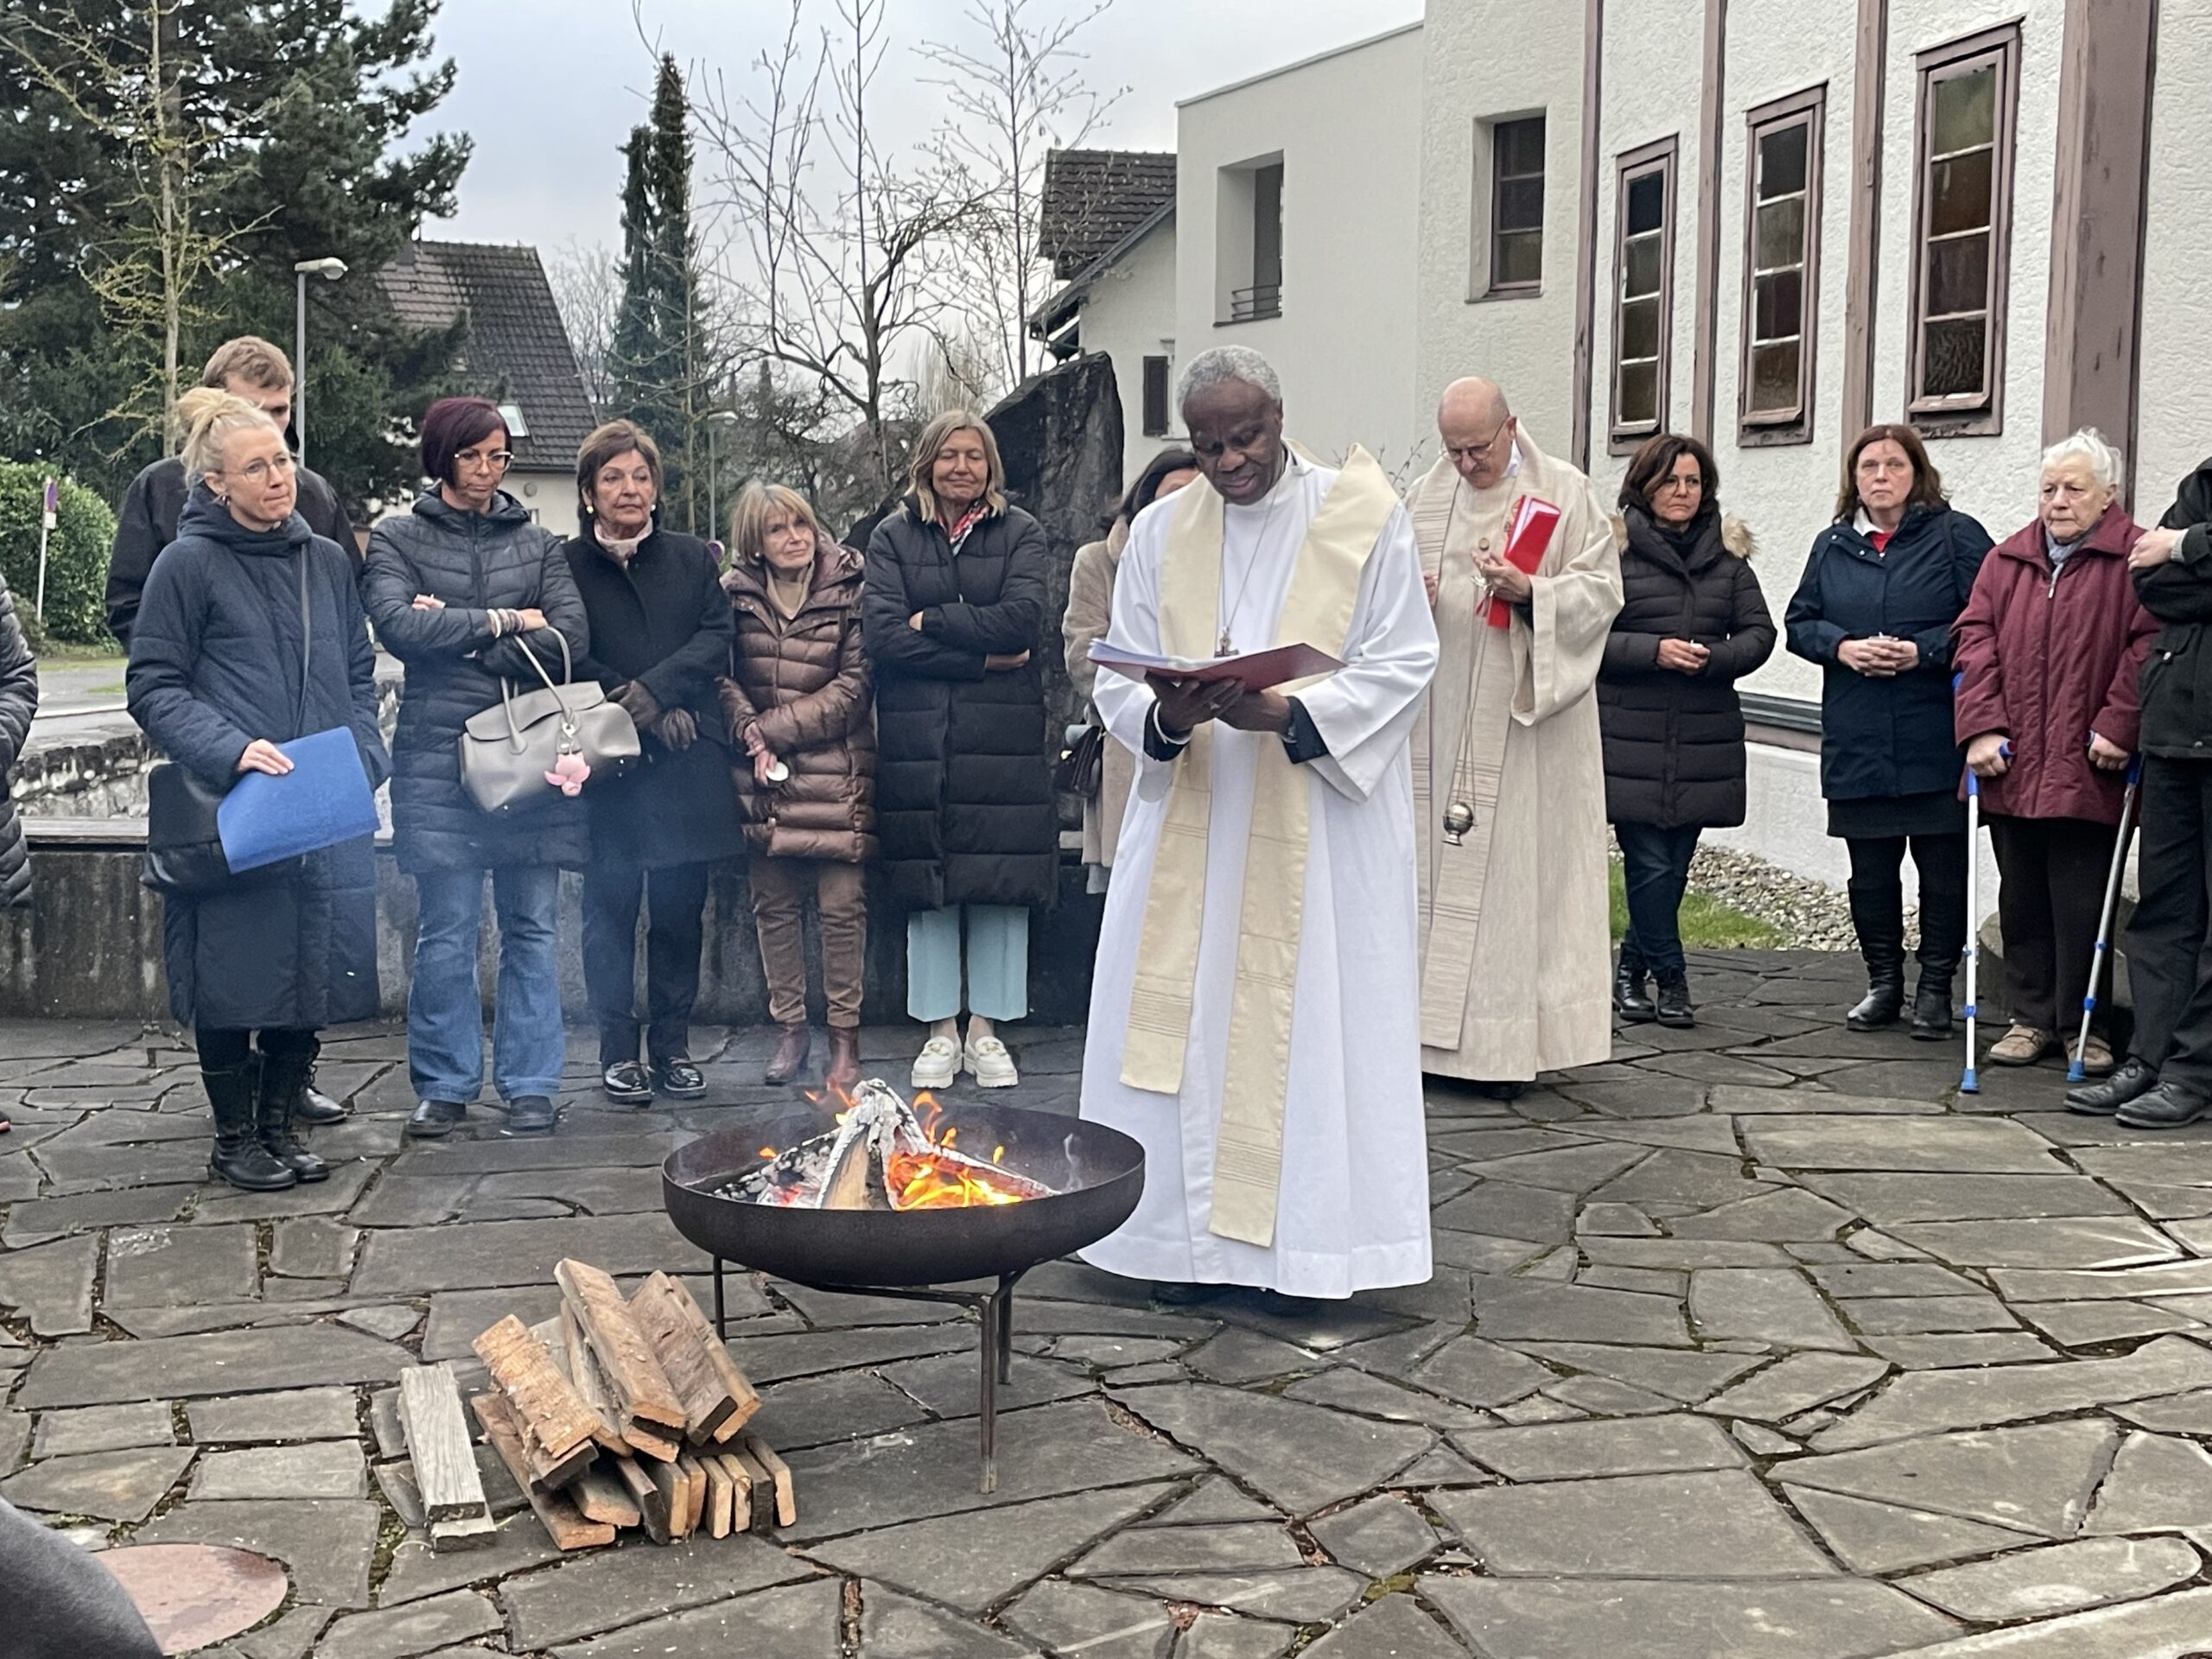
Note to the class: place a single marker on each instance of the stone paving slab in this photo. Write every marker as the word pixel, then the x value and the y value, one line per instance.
pixel 1754 1340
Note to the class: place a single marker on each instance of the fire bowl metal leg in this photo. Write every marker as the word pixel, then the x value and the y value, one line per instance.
pixel 721 1318
pixel 993 1360
pixel 1006 1327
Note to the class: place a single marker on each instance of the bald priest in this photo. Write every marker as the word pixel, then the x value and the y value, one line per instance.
pixel 1253 1007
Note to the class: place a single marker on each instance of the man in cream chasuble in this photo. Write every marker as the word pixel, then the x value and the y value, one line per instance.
pixel 1514 933
pixel 1254 1006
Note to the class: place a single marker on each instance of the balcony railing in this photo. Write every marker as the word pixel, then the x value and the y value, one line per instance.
pixel 1256 303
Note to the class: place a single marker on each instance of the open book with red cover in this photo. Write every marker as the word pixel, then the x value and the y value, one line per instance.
pixel 1259 670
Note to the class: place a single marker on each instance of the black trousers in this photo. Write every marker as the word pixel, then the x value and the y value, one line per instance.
pixel 2050 895
pixel 1655 873
pixel 2169 968
pixel 674 901
pixel 1877 867
pixel 221 1047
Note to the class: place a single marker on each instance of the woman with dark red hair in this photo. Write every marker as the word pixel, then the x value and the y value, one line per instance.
pixel 465 590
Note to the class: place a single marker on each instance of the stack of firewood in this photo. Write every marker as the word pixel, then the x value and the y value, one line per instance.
pixel 627 1413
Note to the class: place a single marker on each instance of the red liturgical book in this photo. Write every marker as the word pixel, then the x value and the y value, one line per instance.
pixel 1261 671
pixel 1526 543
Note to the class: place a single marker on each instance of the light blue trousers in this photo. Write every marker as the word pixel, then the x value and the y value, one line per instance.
pixel 998 962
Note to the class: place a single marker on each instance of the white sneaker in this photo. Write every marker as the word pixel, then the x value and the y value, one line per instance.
pixel 993 1066
pixel 936 1066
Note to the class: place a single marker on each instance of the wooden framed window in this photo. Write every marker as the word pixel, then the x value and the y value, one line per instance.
pixel 1782 268
pixel 1643 291
pixel 1963 232
pixel 1516 204
pixel 1155 397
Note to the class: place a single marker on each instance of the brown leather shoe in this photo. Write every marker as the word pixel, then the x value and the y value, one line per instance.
pixel 844 1073
pixel 793 1043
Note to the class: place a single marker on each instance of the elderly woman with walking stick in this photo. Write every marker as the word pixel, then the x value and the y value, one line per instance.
pixel 2048 652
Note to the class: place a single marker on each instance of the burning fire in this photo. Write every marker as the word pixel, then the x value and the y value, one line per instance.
pixel 913 1150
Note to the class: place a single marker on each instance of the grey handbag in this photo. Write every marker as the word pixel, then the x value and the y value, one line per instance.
pixel 509 752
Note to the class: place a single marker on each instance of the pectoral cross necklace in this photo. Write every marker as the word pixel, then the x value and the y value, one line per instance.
pixel 1225 646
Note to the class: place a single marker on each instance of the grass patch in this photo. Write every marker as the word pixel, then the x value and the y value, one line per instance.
pixel 77 656
pixel 1707 924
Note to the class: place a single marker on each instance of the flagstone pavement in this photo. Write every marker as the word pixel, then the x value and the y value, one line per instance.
pixel 1757 1343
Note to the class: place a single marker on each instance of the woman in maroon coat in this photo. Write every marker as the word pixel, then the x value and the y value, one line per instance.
pixel 2049 650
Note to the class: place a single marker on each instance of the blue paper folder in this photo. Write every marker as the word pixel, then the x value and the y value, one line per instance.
pixel 323 800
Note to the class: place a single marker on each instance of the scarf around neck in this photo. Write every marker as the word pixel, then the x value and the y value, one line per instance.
pixel 621 549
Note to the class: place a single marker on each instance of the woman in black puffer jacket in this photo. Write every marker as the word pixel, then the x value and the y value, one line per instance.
pixel 464 590
pixel 952 607
pixel 1693 623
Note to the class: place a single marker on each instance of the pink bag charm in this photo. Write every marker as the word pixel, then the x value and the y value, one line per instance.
pixel 569 772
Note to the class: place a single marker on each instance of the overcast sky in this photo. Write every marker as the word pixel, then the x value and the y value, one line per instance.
pixel 550 88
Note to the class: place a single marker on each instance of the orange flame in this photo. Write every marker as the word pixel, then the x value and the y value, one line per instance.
pixel 928 1182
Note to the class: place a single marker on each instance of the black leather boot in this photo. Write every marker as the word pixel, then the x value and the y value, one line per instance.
pixel 1878 914
pixel 1631 1000
pixel 315 1107
pixel 1675 1009
pixel 239 1157
pixel 1942 941
pixel 283 1086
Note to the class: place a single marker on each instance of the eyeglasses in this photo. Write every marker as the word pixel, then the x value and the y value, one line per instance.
pixel 498 460
pixel 1478 451
pixel 259 471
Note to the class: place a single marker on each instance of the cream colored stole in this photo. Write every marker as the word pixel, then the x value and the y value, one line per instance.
pixel 1452 896
pixel 1323 586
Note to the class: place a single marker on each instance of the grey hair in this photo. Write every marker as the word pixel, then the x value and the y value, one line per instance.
pixel 1222 364
pixel 2088 445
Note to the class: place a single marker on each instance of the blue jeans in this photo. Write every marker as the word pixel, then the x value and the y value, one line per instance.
pixel 445 1017
pixel 1655 867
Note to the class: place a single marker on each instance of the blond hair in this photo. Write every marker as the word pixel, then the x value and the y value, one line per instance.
pixel 757 507
pixel 209 418
pixel 933 438
pixel 250 359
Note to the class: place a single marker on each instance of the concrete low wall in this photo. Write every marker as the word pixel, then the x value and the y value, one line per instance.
pixel 89 944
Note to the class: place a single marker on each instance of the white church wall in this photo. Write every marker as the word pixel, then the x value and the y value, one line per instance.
pixel 1525 343
pixel 2174 421
pixel 1129 314
pixel 1347 128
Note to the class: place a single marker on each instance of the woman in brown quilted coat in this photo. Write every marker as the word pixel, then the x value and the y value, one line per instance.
pixel 804 752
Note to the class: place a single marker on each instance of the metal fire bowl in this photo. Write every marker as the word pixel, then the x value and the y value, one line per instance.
pixel 1096 1174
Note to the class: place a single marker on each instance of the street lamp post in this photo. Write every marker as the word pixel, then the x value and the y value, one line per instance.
pixel 330 270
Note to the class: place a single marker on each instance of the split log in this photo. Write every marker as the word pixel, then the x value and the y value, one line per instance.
pixel 573 1355
pixel 675 1489
pixel 549 1408
pixel 721 1496
pixel 562 1522
pixel 639 1387
pixel 733 1379
pixel 763 1486
pixel 439 1441
pixel 779 1476
pixel 741 1509
pixel 474 1533
pixel 695 1490
pixel 646 1493
pixel 600 1495
pixel 657 1306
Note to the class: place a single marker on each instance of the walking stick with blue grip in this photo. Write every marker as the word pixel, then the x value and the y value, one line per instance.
pixel 2101 958
pixel 1971 1082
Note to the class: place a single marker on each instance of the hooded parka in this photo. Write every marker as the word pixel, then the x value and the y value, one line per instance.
pixel 474 564
pixel 1674 742
pixel 1883 739
pixel 2176 683
pixel 662 621
pixel 2050 657
pixel 963 795
pixel 804 682
pixel 18 703
pixel 215 663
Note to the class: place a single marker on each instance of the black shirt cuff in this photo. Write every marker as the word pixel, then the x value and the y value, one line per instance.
pixel 1303 741
pixel 1157 743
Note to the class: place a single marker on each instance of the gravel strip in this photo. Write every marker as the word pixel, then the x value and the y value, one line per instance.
pixel 1809 915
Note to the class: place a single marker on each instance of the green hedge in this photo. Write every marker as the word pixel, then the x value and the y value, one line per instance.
pixel 77 554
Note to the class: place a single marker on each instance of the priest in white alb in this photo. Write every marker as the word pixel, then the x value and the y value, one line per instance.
pixel 1253 1008
pixel 1508 774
